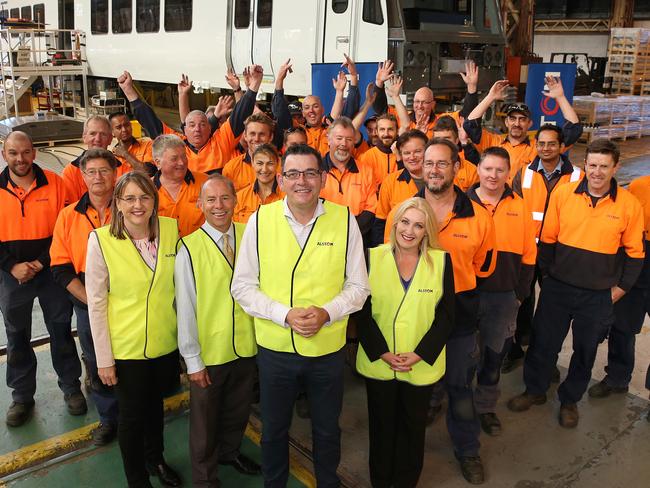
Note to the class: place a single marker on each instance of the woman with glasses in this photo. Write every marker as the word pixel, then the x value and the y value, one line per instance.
pixel 130 287
pixel 403 328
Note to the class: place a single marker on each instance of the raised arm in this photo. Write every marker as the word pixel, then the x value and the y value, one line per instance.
pixel 472 124
pixel 572 129
pixel 143 112
pixel 339 83
pixel 279 104
pixel 233 82
pixel 384 72
pixel 470 77
pixel 184 88
pixel 393 90
pixel 246 104
pixel 360 117
pixel 353 100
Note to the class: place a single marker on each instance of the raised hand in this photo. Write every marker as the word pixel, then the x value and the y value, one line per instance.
pixel 340 82
pixel 395 88
pixel 256 73
pixel 470 77
pixel 352 69
pixel 498 90
pixel 185 85
pixel 384 72
pixel 371 93
pixel 126 84
pixel 285 68
pixel 462 135
pixel 555 89
pixel 224 106
pixel 233 80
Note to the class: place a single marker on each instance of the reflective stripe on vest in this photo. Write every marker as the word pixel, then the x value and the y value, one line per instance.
pixel 225 330
pixel 528 178
pixel 304 277
pixel 141 315
pixel 404 317
pixel 575 174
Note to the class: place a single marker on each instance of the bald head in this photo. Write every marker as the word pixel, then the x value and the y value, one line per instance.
pixel 423 101
pixel 312 110
pixel 19 135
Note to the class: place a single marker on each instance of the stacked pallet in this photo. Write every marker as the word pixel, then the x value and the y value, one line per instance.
pixel 621 117
pixel 629 60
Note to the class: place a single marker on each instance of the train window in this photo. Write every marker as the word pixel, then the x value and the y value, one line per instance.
pixel 242 14
pixel 264 13
pixel 122 14
pixel 14 13
pixel 339 6
pixel 147 15
pixel 372 12
pixel 39 13
pixel 178 15
pixel 99 16
pixel 26 13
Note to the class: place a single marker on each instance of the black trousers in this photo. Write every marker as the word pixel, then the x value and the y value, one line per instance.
pixel 524 320
pixel 397 415
pixel 141 385
pixel 16 303
pixel 588 313
pixel 218 418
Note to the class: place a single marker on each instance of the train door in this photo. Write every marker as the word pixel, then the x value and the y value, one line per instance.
pixel 250 38
pixel 338 30
pixel 241 35
pixel 66 21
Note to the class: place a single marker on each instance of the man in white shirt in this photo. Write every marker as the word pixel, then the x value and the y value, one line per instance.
pixel 301 272
pixel 215 337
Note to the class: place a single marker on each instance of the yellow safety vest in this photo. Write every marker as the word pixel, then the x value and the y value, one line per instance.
pixel 141 315
pixel 302 277
pixel 404 317
pixel 225 330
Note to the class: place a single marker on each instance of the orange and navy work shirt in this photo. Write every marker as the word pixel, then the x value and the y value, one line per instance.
pixel 75 186
pixel 515 244
pixel 592 245
pixel 640 188
pixel 535 188
pixel 381 160
pixel 249 200
pixel 353 188
pixel 70 240
pixel 27 218
pixel 140 149
pixel 184 208
pixel 240 171
pixel 317 137
pixel 466 176
pixel 396 188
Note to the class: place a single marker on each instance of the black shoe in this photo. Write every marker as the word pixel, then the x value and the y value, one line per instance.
pixel 164 473
pixel 602 390
pixel 302 407
pixel 555 375
pixel 510 364
pixel 490 423
pixel 432 413
pixel 472 469
pixel 104 434
pixel 244 465
pixel 18 413
pixel 76 403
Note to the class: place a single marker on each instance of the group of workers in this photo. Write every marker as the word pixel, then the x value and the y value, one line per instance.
pixel 246 242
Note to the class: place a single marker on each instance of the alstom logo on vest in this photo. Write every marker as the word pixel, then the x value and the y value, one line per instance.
pixel 425 290
pixel 324 243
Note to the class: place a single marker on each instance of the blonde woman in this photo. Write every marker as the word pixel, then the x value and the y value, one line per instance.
pixel 130 287
pixel 402 333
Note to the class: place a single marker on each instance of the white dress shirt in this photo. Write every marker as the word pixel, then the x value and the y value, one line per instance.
pixel 188 331
pixel 245 286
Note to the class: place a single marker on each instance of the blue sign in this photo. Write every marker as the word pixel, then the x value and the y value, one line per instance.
pixel 545 110
pixel 322 75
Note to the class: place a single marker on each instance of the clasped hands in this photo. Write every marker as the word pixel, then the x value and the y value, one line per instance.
pixel 307 321
pixel 401 362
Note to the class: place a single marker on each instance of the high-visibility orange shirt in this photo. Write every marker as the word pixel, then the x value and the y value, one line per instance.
pixel 397 187
pixel 381 161
pixel 240 171
pixel 140 149
pixel 184 208
pixel 466 175
pixel 75 186
pixel 27 217
pixel 353 188
pixel 640 188
pixel 249 200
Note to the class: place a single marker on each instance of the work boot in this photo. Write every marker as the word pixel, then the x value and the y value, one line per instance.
pixel 472 469
pixel 510 364
pixel 523 402
pixel 602 390
pixel 490 423
pixel 104 434
pixel 569 415
pixel 76 403
pixel 18 413
pixel 555 375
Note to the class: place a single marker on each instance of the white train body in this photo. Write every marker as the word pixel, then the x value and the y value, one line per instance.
pixel 156 40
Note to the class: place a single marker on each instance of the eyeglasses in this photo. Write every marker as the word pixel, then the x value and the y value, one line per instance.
pixel 131 199
pixel 422 102
pixel 310 174
pixel 94 172
pixel 436 164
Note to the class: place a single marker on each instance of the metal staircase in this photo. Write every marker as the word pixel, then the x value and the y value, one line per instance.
pixel 13 87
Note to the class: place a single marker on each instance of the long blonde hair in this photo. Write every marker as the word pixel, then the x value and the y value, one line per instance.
pixel 117 228
pixel 430 238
